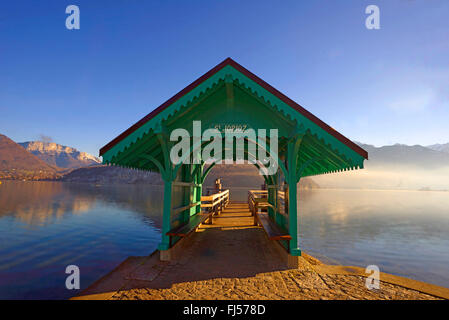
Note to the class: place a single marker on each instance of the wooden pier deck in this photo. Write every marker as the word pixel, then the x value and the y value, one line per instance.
pixel 233 259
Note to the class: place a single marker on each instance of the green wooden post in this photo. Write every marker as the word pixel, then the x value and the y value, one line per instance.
pixel 166 216
pixel 193 190
pixel 199 189
pixel 187 177
pixel 270 198
pixel 292 150
pixel 196 192
pixel 168 176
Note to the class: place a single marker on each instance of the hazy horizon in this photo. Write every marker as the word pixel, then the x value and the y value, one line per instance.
pixel 390 178
pixel 50 140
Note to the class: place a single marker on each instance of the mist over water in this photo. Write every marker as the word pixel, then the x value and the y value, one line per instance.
pixel 402 232
pixel 388 178
pixel 389 214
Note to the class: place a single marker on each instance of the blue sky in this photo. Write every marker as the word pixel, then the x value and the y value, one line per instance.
pixel 84 87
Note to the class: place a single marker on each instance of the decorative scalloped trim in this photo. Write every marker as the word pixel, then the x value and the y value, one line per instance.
pixel 274 102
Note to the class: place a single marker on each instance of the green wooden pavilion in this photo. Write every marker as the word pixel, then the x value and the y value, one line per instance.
pixel 230 95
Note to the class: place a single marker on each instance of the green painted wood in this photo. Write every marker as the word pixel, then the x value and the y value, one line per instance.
pixel 242 81
pixel 231 97
pixel 157 163
pixel 292 198
pixel 166 216
pixel 196 192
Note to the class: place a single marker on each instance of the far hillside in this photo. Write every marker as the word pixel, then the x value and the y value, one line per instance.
pixel 107 175
pixel 232 176
pixel 18 164
pixel 245 175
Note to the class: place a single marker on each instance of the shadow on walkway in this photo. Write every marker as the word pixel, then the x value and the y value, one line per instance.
pixel 232 247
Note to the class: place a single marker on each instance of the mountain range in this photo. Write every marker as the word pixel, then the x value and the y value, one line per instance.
pixel 60 156
pixel 404 156
pixel 440 147
pixel 36 160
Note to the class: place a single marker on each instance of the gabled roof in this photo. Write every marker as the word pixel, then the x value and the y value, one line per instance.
pixel 256 79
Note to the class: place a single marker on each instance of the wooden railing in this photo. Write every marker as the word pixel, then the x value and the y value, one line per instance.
pixel 216 202
pixel 258 199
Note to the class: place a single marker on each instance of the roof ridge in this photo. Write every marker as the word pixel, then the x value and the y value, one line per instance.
pixel 256 79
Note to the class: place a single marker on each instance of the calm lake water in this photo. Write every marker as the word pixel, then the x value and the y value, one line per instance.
pixel 45 226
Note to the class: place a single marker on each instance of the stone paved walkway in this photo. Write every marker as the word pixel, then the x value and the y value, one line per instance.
pixel 232 259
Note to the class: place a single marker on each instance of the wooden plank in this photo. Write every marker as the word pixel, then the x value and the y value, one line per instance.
pixel 215 196
pixel 273 231
pixel 179 209
pixel 220 199
pixel 184 230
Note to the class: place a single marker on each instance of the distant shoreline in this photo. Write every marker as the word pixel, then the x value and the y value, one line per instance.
pixel 229 187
